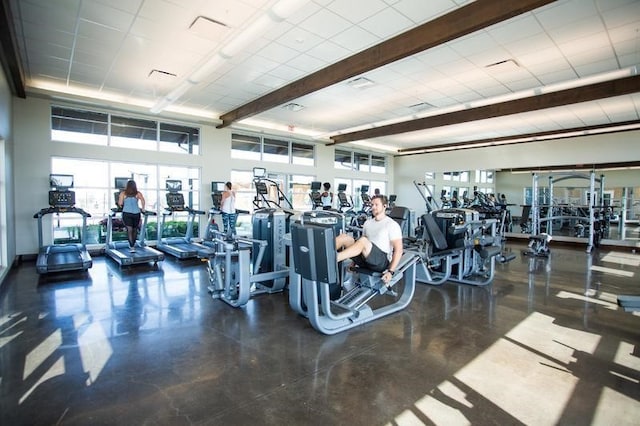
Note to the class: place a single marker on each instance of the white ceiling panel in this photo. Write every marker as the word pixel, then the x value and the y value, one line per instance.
pixel 325 24
pixel 299 39
pixel 106 16
pixel 387 23
pixel 355 39
pixel 113 45
pixel 353 11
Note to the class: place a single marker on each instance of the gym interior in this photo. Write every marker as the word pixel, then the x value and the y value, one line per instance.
pixel 505 146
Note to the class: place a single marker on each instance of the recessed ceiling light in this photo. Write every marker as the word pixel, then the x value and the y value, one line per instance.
pixel 293 107
pixel 360 83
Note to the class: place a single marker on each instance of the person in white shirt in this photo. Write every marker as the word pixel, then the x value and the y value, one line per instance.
pixel 327 196
pixel 228 209
pixel 380 246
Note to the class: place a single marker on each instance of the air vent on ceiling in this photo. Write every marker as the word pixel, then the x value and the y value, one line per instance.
pixel 160 76
pixel 360 83
pixel 209 28
pixel 503 66
pixel 293 107
pixel 422 106
pixel 156 72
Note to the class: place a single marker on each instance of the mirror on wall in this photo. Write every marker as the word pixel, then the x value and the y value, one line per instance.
pixel 563 203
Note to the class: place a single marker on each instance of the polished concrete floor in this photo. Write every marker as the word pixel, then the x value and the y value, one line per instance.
pixel 544 345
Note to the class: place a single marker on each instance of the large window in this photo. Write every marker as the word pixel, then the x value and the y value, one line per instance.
pixel 302 154
pixel 275 150
pixel 484 176
pixel 360 161
pixel 99 128
pixel 96 194
pixel 343 159
pixel 299 191
pixel 354 189
pixel 250 147
pixel 456 176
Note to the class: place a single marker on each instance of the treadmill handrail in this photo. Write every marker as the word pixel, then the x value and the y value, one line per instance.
pixel 52 210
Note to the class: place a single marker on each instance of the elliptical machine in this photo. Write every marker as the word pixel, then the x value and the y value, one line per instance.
pixel 243 267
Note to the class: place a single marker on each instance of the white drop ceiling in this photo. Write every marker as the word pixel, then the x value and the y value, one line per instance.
pixel 105 51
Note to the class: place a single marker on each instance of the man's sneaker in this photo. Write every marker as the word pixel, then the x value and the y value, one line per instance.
pixel 132 249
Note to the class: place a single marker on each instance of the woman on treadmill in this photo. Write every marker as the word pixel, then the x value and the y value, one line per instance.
pixel 132 203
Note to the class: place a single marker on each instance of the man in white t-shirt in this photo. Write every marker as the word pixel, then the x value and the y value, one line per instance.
pixel 380 247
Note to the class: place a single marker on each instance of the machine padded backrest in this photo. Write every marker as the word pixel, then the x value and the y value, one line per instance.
pixel 401 216
pixel 526 211
pixel 435 233
pixel 314 252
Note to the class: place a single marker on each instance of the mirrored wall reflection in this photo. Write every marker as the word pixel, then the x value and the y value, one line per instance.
pixel 563 199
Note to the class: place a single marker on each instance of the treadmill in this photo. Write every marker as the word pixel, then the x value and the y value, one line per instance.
pixel 67 256
pixel 119 250
pixel 183 247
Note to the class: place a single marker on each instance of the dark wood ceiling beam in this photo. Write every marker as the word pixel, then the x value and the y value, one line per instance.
pixel 465 20
pixel 9 54
pixel 517 139
pixel 607 89
pixel 575 167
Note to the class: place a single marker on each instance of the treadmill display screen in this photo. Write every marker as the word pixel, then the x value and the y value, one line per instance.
pixel 121 183
pixel 60 182
pixel 173 185
pixel 217 186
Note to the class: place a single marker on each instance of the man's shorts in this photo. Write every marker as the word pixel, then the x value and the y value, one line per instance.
pixel 377 260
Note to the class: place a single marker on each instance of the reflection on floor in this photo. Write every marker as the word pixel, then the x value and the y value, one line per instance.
pixel 544 345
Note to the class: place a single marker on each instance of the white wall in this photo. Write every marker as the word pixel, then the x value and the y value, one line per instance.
pixel 618 147
pixel 7 214
pixel 34 149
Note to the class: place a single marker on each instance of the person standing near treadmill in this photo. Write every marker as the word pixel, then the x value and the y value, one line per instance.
pixel 326 197
pixel 132 203
pixel 228 209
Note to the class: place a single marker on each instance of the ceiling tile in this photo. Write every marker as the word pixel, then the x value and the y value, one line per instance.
pixel 515 29
pixel 420 11
pixel 299 39
pixel 325 24
pixel 306 63
pixel 355 11
pixel 386 23
pixel 106 16
pixel 355 39
pixel 115 50
pixel 328 52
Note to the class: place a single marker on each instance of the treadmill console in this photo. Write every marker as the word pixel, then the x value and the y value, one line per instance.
pixel 344 201
pixel 62 199
pixel 175 201
pixel 261 188
pixel 217 188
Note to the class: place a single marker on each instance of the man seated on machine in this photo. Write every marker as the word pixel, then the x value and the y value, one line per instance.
pixel 380 247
